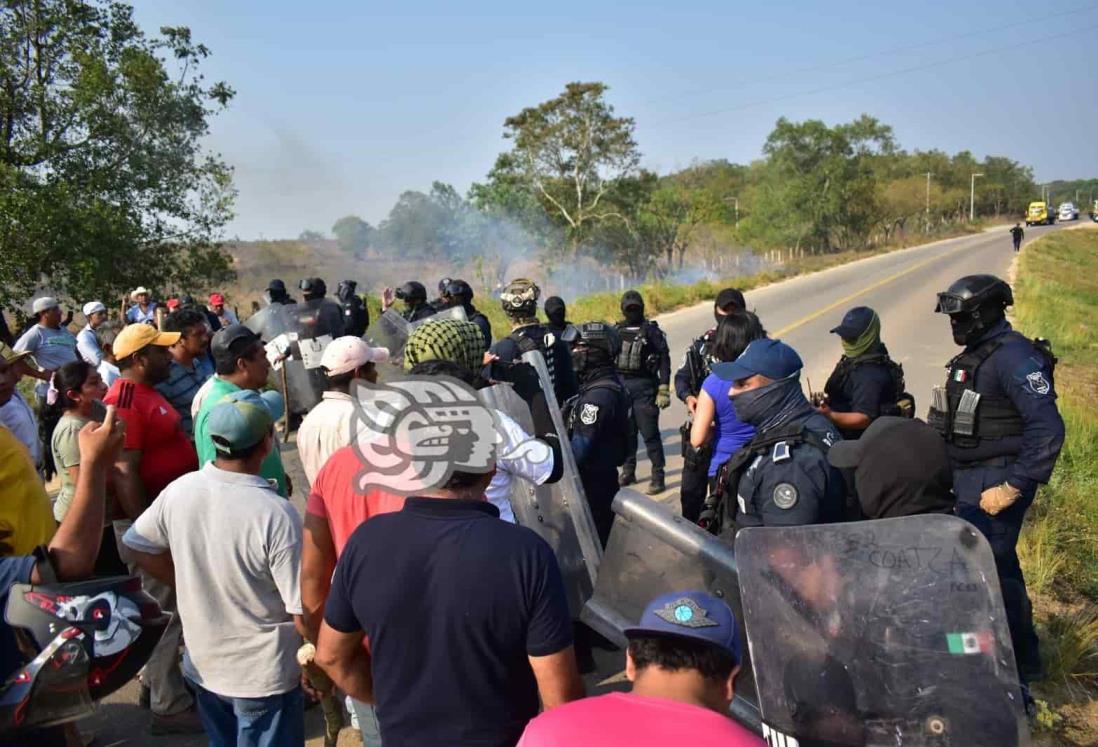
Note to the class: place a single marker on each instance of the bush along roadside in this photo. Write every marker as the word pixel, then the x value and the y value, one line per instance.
pixel 1056 296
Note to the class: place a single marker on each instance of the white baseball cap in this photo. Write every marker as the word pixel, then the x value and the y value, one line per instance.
pixel 347 353
pixel 93 307
pixel 45 303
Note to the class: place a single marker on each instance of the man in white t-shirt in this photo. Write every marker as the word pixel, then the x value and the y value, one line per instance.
pixel 327 427
pixel 232 546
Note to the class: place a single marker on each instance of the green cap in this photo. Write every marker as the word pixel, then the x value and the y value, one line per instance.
pixel 243 418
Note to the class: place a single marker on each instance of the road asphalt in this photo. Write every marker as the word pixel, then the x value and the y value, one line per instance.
pixel 899 285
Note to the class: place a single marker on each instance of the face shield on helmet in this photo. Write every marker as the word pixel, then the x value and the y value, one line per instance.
pixel 520 299
pixel 974 303
pixel 412 293
pixel 84 641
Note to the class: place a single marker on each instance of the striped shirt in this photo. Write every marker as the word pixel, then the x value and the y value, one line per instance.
pixel 181 386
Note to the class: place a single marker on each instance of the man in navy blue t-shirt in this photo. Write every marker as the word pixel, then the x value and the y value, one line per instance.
pixel 465 616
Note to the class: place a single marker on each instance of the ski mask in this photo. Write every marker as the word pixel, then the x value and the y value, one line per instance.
pixel 968 327
pixel 632 307
pixel 555 310
pixel 771 405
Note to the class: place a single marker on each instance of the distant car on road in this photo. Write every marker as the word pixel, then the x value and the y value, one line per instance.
pixel 1040 213
pixel 1068 211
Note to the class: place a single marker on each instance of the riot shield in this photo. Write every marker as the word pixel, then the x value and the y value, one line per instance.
pixel 391 331
pixel 552 510
pixel 651 551
pixel 888 632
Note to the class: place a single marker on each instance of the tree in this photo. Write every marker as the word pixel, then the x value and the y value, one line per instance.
pixel 353 235
pixel 570 152
pixel 103 181
pixel 310 236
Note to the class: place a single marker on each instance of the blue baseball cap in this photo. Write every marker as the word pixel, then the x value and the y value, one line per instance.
pixel 243 418
pixel 694 615
pixel 854 322
pixel 771 358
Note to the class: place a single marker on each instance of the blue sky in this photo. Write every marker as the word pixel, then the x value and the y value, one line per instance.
pixel 343 105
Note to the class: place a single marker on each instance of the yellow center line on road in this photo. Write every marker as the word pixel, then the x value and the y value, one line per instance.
pixel 874 286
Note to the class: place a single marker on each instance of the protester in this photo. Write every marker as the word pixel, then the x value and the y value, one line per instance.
pixel 143 310
pixel 682 659
pixel 15 414
pixel 108 368
pixel 241 363
pixel 328 426
pixel 466 618
pixel 899 466
pixel 237 580
pixel 448 340
pixel 87 345
pixel 156 453
pixel 172 304
pixel 224 314
pixel 49 342
pixel 190 363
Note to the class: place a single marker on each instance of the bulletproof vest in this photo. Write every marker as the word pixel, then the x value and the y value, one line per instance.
pixel 776 445
pixel 964 416
pixel 901 403
pixel 543 344
pixel 637 357
pixel 700 360
pixel 618 449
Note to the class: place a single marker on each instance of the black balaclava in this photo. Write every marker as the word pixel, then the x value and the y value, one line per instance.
pixel 771 405
pixel 346 290
pixel 555 310
pixel 969 326
pixel 632 307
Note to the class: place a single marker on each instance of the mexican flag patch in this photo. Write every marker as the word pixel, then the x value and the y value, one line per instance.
pixel 959 375
pixel 962 644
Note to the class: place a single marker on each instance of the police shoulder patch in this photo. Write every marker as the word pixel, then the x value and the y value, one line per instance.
pixel 785 495
pixel 589 414
pixel 1037 383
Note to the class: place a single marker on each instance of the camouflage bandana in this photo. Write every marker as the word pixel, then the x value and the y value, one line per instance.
pixel 448 340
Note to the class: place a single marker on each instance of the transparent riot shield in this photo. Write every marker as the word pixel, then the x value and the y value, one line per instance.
pixel 651 551
pixel 888 632
pixel 391 331
pixel 552 510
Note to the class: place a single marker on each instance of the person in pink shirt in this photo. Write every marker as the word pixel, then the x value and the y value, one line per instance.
pixel 682 660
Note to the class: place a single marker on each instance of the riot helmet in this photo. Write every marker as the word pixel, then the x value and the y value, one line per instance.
pixel 84 640
pixel 520 299
pixel 276 291
pixel 443 284
pixel 974 303
pixel 632 307
pixel 312 288
pixel 346 289
pixel 555 310
pixel 595 345
pixel 412 293
pixel 458 292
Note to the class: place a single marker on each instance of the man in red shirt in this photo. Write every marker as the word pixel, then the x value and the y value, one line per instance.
pixel 682 660
pixel 156 452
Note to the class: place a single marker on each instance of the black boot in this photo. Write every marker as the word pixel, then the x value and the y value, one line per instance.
pixel 656 484
pixel 628 477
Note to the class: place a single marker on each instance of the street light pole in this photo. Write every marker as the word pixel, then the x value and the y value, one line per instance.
pixel 972 198
pixel 927 228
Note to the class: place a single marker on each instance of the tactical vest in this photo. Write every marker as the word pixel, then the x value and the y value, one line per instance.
pixel 964 416
pixel 634 359
pixel 777 445
pixel 619 448
pixel 526 343
pixel 901 402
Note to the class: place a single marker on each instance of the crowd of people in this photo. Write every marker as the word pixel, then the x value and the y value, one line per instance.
pixel 439 618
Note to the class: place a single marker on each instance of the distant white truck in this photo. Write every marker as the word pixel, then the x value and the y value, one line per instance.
pixel 1068 211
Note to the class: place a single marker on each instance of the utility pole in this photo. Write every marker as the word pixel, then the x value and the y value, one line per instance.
pixel 972 198
pixel 927 229
pixel 736 201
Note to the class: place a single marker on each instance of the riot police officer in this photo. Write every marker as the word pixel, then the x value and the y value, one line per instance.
pixel 696 363
pixel 597 419
pixel 645 366
pixel 519 300
pixel 557 314
pixel 356 315
pixel 781 477
pixel 997 412
pixel 328 313
pixel 460 293
pixel 277 294
pixel 414 296
pixel 866 383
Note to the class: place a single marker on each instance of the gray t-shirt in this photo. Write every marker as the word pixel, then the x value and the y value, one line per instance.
pixel 51 348
pixel 236 545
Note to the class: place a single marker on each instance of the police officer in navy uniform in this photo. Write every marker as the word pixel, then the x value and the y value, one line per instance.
pixel 556 312
pixel 997 412
pixel 597 419
pixel 645 366
pixel 519 300
pixel 782 476
pixel 460 293
pixel 414 296
pixel 866 383
pixel 696 363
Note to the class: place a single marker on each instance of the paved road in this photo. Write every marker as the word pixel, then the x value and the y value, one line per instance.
pixel 900 285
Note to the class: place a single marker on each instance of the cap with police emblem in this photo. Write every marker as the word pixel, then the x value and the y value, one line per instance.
pixel 694 615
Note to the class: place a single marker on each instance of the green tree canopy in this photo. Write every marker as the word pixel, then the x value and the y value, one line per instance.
pixel 353 234
pixel 103 180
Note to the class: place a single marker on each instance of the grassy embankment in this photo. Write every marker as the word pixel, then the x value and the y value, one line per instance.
pixel 1056 296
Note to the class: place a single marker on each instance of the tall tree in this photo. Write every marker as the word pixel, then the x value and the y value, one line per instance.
pixel 570 152
pixel 104 183
pixel 353 235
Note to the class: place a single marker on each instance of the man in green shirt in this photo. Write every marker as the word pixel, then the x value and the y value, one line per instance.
pixel 241 363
